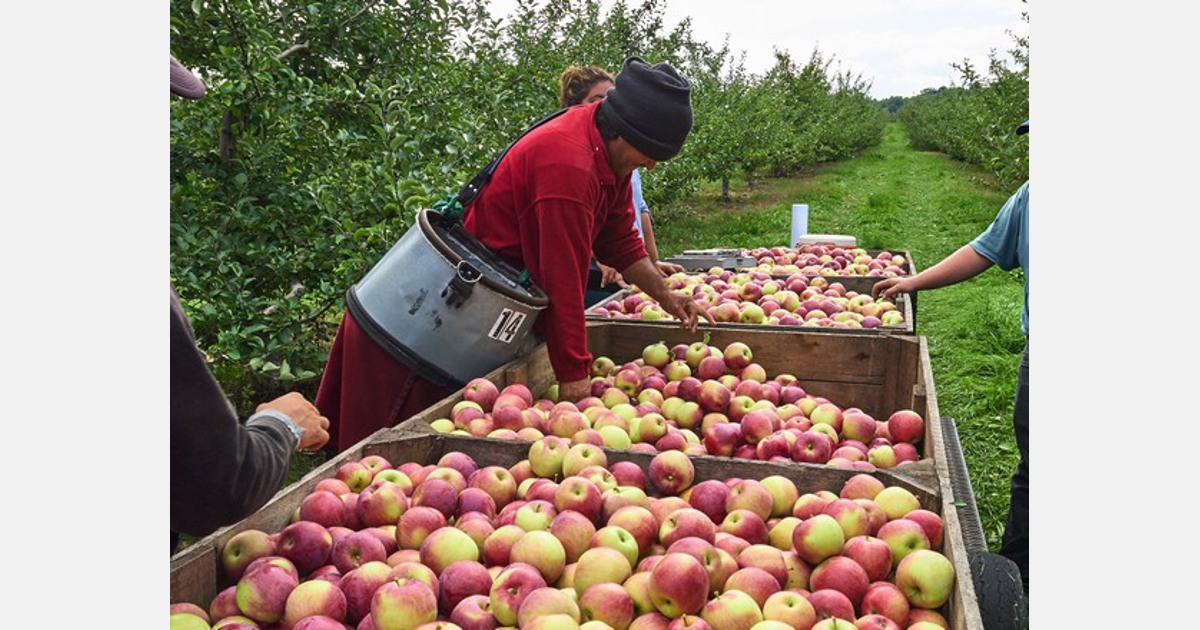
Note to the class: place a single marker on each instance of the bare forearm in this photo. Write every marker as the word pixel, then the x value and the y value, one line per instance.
pixel 648 236
pixel 961 265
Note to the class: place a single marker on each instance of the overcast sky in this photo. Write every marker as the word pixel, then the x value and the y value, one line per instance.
pixel 900 46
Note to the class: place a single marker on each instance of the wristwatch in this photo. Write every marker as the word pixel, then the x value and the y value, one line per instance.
pixel 296 430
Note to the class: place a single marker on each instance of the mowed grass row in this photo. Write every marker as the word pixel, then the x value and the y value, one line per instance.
pixel 894 197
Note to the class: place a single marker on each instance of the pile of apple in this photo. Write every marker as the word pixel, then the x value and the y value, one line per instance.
pixel 754 297
pixel 564 540
pixel 698 399
pixel 828 260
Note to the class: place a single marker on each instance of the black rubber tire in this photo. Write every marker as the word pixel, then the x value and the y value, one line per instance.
pixel 1003 604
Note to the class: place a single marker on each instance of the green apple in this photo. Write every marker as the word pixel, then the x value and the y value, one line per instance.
pixel 617 538
pixel 600 565
pixel 732 609
pixel 926 577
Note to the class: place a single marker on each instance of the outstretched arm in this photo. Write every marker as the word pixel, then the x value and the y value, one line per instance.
pixel 961 265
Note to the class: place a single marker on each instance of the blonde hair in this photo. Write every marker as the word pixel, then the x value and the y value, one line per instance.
pixel 577 81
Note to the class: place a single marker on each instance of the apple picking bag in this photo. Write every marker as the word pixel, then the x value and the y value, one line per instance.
pixel 444 304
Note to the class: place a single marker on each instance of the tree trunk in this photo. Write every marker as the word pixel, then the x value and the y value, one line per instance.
pixel 725 188
pixel 227 145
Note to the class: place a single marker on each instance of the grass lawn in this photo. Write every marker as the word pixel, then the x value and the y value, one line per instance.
pixel 893 197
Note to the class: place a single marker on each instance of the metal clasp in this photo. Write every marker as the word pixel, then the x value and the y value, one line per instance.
pixel 460 287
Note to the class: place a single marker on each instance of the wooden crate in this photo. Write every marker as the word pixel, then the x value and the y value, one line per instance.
pixel 878 374
pixel 908 264
pixel 903 303
pixel 909 267
pixel 196 574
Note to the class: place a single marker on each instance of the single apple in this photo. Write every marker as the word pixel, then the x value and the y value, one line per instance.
pixel 671 472
pixel 903 537
pixel 818 538
pixel 926 578
pixel 732 609
pixel 262 592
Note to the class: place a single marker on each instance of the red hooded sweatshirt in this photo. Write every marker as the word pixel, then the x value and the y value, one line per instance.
pixel 552 200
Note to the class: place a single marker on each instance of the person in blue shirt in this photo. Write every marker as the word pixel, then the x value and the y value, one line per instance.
pixel 582 85
pixel 1004 244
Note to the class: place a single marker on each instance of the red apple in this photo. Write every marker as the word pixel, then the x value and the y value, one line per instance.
pixel 263 590
pixel 481 391
pixel 737 355
pixel 722 438
pixel 767 558
pixel 416 524
pixel 629 474
pixel 750 494
pixel 686 522
pixel 831 604
pixel 931 522
pixel 886 599
pixel 841 574
pixel 679 585
pixel 812 447
pixel 640 522
pixel 497 547
pixel 906 425
pixel 510 589
pixel 608 603
pixel 873 554
pixel 671 472
pixel 755 582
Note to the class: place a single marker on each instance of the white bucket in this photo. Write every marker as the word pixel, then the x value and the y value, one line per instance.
pixel 799 222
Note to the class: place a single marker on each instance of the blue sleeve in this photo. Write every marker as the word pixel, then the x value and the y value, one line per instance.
pixel 1005 242
pixel 639 204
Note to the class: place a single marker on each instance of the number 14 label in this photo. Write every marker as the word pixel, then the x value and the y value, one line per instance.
pixel 507 325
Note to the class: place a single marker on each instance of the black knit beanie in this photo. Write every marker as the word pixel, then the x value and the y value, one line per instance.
pixel 651 108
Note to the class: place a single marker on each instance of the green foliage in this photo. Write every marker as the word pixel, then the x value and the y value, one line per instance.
pixel 976 122
pixel 892 104
pixel 327 125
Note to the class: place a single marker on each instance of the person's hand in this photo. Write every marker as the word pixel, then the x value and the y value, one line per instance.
pixel 686 310
pixel 574 391
pixel 304 414
pixel 667 268
pixel 609 275
pixel 891 286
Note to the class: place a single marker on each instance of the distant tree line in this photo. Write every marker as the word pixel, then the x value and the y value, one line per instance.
pixel 976 121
